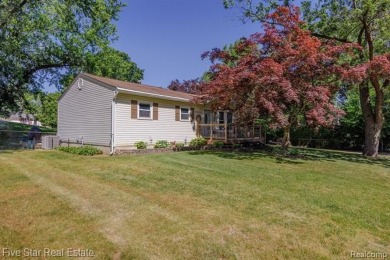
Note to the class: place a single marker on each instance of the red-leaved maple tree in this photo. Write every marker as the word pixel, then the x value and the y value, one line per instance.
pixel 192 86
pixel 284 74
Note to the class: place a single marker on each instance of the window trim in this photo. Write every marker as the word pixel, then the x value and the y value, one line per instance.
pixel 189 114
pixel 151 110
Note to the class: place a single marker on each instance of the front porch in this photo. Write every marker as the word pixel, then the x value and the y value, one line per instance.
pixel 231 133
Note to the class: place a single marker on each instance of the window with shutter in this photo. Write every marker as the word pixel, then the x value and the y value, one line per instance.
pixel 144 110
pixel 184 114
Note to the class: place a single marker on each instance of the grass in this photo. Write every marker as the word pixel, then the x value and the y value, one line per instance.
pixel 196 205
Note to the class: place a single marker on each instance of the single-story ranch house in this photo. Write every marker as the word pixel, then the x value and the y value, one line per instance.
pixel 115 114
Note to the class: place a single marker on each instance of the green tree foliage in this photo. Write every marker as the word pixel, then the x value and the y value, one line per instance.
pixel 33 104
pixel 48 112
pixel 365 22
pixel 107 63
pixel 349 133
pixel 46 38
pixel 352 124
pixel 43 106
pixel 256 10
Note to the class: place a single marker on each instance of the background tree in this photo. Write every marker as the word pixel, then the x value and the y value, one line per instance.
pixel 43 106
pixel 347 134
pixel 192 86
pixel 366 23
pixel 108 62
pixel 284 74
pixel 360 21
pixel 42 40
pixel 48 112
pixel 256 10
pixel 351 130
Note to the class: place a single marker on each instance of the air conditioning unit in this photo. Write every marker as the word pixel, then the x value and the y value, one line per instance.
pixel 50 142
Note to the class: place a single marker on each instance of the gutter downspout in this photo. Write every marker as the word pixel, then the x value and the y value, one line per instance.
pixel 113 108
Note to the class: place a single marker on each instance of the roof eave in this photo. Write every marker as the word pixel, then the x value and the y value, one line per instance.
pixel 146 94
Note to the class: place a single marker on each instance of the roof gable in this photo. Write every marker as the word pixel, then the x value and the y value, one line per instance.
pixel 141 89
pixel 135 88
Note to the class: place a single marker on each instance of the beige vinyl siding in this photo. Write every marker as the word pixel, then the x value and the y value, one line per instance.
pixel 86 113
pixel 129 130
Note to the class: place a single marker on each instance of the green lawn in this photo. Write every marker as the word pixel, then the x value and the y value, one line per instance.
pixel 196 205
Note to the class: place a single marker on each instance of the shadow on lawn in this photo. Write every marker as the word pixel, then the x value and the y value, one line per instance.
pixel 304 155
pixel 247 155
pixel 326 155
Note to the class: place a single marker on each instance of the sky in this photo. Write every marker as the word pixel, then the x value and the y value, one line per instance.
pixel 167 37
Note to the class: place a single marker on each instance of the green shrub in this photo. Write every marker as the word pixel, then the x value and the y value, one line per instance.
pixel 293 151
pixel 141 145
pixel 81 150
pixel 179 146
pixel 237 146
pixel 277 150
pixel 198 142
pixel 219 144
pixel 162 144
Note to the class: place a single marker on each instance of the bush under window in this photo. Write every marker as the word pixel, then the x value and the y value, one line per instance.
pixel 198 142
pixel 162 144
pixel 141 145
pixel 81 150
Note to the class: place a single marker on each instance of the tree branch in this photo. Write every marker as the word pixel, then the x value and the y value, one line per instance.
pixel 368 36
pixel 322 36
pixel 46 66
pixel 378 99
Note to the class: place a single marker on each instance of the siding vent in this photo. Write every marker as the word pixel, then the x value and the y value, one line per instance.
pixel 80 84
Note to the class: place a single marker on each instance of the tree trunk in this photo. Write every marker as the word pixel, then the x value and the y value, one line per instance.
pixel 286 138
pixel 373 122
pixel 372 133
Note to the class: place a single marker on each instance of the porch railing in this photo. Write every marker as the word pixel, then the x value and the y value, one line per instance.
pixel 229 132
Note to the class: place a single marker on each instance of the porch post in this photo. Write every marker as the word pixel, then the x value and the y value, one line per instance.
pixel 260 133
pixel 226 132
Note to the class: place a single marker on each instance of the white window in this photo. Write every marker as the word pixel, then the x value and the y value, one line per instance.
pixel 144 110
pixel 184 114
